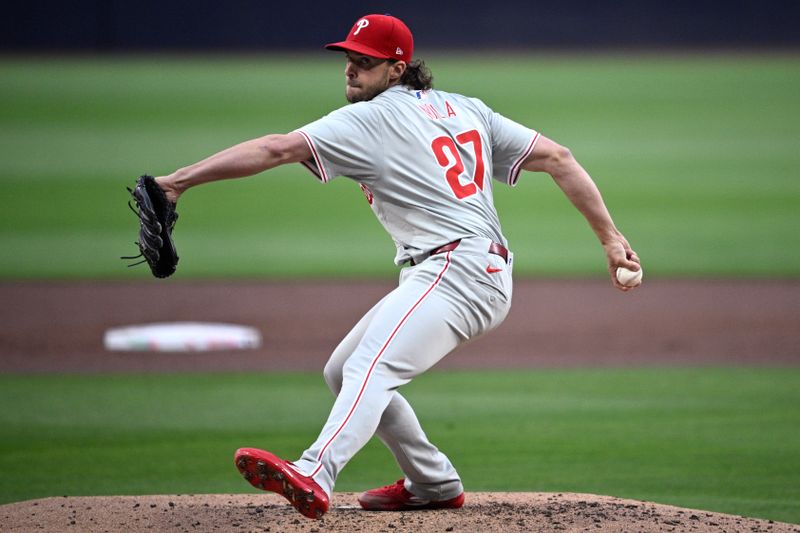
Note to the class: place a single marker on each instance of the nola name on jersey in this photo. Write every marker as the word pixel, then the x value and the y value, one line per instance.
pixel 432 111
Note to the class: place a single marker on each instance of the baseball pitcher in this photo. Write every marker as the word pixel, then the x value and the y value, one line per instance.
pixel 428 162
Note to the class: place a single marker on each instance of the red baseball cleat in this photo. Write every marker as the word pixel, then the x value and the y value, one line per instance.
pixel 267 471
pixel 396 498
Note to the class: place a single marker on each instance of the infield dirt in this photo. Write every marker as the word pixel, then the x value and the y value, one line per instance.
pixel 58 327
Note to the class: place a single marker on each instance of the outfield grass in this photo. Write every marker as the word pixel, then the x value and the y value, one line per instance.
pixel 697 157
pixel 722 440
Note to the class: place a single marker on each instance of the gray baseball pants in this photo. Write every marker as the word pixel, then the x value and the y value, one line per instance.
pixel 439 303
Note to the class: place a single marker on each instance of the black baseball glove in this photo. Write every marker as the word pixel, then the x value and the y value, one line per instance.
pixel 157 218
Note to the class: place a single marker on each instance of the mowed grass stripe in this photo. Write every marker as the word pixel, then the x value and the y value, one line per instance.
pixel 696 157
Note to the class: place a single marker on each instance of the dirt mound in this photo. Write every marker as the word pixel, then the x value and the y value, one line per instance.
pixel 484 511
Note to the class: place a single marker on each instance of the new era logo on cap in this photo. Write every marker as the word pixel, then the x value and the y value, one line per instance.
pixel 382 36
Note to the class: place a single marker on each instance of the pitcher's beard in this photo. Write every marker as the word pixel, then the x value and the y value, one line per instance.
pixel 364 94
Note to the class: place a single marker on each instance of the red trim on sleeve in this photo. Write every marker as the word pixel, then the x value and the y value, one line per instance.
pixel 513 175
pixel 319 171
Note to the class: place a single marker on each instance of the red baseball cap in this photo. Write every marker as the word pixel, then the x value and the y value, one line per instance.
pixel 382 36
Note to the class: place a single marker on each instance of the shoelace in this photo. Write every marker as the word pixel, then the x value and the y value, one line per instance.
pixel 398 486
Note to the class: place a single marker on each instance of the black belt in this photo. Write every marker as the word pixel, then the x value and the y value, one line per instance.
pixel 494 248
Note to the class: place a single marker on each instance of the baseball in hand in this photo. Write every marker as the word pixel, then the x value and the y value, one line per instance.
pixel 629 278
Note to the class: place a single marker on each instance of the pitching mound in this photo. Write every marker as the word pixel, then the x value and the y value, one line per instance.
pixel 495 511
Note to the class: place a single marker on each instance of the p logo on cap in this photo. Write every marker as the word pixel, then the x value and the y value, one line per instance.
pixel 381 36
pixel 361 24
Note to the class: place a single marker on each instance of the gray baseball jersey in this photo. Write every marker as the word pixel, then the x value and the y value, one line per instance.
pixel 425 160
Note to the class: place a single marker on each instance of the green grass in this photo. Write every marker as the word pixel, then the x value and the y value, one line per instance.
pixel 722 440
pixel 696 156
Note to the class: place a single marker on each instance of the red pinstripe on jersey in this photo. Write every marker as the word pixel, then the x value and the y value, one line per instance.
pixel 319 171
pixel 377 358
pixel 513 175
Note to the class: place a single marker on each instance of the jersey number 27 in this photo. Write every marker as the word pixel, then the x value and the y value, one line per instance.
pixel 454 165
